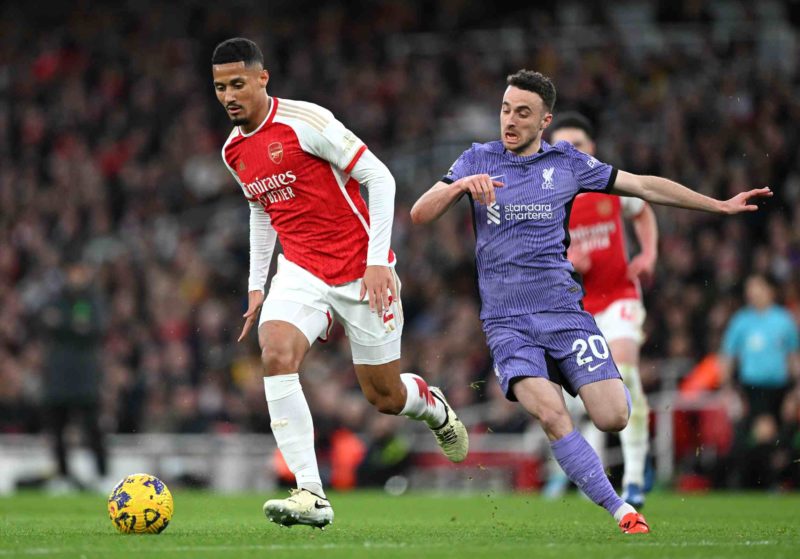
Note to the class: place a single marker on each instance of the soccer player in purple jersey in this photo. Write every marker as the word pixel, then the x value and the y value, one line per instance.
pixel 520 190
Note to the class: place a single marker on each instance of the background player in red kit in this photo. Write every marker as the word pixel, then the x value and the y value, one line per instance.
pixel 300 169
pixel 611 282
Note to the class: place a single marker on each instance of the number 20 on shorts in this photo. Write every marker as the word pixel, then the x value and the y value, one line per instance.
pixel 596 344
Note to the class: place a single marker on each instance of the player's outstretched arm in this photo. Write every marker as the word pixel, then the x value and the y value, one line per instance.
pixel 658 190
pixel 441 197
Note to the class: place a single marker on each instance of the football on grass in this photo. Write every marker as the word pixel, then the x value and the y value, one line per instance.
pixel 140 504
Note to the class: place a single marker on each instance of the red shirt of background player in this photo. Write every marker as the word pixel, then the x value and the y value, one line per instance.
pixel 596 228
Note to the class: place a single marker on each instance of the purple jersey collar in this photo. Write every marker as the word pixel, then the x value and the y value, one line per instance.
pixel 497 147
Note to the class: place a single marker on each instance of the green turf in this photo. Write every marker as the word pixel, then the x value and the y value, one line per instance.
pixel 412 526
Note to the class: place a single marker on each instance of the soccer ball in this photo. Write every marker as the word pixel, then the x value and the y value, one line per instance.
pixel 140 504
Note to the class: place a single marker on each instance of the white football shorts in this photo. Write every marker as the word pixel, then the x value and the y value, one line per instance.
pixel 622 320
pixel 302 299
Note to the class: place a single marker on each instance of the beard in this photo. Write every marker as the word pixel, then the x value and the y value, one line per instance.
pixel 239 121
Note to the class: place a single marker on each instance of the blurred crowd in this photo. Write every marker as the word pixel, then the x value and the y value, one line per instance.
pixel 110 141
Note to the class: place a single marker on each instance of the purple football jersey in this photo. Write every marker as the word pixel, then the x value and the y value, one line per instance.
pixel 522 239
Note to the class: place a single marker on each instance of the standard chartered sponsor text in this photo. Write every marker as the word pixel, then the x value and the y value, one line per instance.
pixel 519 212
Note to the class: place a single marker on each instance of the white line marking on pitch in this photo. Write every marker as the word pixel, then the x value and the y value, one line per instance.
pixel 367 544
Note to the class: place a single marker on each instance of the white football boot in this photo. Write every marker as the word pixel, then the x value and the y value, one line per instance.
pixel 452 435
pixel 301 507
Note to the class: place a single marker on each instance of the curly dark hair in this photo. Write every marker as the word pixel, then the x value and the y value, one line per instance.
pixel 238 49
pixel 537 83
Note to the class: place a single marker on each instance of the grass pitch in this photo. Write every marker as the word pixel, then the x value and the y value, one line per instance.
pixel 371 524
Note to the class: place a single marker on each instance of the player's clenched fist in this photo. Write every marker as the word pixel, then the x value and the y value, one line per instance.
pixel 480 187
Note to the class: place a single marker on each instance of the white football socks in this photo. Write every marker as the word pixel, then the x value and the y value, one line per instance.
pixel 634 438
pixel 620 513
pixel 420 403
pixel 293 429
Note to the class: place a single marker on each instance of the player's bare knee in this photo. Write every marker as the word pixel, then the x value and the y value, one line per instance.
pixel 279 360
pixel 613 421
pixel 620 421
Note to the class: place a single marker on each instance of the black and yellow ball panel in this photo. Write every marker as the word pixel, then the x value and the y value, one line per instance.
pixel 140 504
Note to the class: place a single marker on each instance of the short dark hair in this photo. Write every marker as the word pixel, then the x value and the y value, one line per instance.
pixel 237 49
pixel 573 119
pixel 537 83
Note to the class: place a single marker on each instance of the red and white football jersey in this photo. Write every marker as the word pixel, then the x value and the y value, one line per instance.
pixel 595 227
pixel 297 165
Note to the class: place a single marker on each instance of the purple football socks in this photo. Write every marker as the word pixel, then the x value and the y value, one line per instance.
pixel 583 467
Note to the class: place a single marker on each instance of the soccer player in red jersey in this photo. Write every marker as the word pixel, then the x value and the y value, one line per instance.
pixel 300 169
pixel 599 253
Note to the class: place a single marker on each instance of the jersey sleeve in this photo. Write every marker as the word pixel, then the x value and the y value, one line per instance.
pixel 262 247
pixel 228 164
pixel 732 337
pixel 631 206
pixel 591 174
pixel 377 178
pixel 329 139
pixel 462 167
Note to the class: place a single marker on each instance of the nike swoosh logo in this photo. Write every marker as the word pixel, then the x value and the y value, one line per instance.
pixel 321 505
pixel 596 366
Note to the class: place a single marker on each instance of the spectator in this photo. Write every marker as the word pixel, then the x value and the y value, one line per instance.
pixel 107 124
